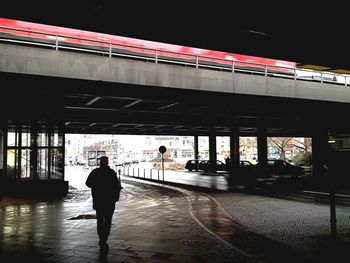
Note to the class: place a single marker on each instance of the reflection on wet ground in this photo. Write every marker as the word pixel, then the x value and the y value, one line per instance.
pixel 151 223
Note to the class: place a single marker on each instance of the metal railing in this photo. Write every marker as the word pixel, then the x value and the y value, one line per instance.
pixel 112 49
pixel 143 173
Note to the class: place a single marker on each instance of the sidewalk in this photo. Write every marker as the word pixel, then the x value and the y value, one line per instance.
pixel 302 226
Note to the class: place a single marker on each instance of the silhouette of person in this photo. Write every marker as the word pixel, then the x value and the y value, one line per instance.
pixel 105 188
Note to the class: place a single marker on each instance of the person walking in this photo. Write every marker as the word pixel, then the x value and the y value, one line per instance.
pixel 105 189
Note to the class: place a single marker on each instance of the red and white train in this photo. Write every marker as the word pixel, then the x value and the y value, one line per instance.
pixel 81 37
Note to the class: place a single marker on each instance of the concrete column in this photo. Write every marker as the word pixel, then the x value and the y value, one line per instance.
pixel 62 131
pixel 34 149
pixel 3 155
pixel 212 146
pixel 2 147
pixel 319 151
pixel 262 145
pixel 234 147
pixel 196 151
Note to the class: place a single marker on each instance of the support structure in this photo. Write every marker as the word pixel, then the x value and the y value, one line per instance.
pixel 262 145
pixel 319 152
pixel 234 147
pixel 196 151
pixel 212 148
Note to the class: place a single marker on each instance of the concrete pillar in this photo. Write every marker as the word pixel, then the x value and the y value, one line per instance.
pixel 319 151
pixel 62 132
pixel 2 146
pixel 3 155
pixel 234 147
pixel 34 150
pixel 196 150
pixel 212 147
pixel 262 145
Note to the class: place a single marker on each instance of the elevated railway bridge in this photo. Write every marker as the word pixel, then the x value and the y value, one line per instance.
pixel 56 81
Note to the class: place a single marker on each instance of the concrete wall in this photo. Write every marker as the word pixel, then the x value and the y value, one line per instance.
pixel 68 64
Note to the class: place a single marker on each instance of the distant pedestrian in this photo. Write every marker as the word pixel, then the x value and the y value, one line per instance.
pixel 105 189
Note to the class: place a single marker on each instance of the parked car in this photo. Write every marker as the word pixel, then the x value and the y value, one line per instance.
pixel 205 165
pixel 244 174
pixel 209 166
pixel 278 168
pixel 127 163
pixel 280 174
pixel 192 164
pixel 246 167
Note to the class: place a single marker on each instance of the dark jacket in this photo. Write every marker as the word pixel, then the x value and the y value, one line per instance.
pixel 105 187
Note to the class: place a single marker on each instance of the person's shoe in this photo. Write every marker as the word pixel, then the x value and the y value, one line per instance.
pixel 103 244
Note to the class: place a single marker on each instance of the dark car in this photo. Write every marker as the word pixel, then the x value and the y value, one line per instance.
pixel 278 168
pixel 244 174
pixel 280 174
pixel 192 164
pixel 127 163
pixel 246 167
pixel 210 166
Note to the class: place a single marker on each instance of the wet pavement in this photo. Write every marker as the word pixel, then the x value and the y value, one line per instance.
pixel 150 224
pixel 154 222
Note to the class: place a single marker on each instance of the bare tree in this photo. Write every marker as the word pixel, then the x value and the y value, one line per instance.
pixel 247 145
pixel 280 144
pixel 303 144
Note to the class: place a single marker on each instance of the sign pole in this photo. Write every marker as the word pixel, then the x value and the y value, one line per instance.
pixel 162 150
pixel 163 166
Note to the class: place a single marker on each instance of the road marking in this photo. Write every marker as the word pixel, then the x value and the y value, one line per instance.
pixel 211 232
pixel 187 194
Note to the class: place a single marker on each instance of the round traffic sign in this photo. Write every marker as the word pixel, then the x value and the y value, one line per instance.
pixel 162 149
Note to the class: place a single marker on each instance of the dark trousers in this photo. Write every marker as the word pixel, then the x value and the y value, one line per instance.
pixel 104 221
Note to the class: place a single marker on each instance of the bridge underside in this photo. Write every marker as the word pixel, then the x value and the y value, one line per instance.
pixel 112 108
pixel 88 107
